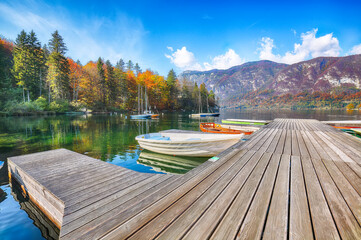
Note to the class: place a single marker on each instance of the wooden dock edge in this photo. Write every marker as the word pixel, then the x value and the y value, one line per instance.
pixel 46 201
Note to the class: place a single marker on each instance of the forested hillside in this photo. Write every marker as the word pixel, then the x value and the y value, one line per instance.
pixel 317 83
pixel 36 78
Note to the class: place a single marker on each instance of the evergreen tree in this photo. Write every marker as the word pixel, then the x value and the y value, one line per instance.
pixel 58 69
pixel 171 82
pixel 102 80
pixel 196 97
pixel 129 66
pixel 20 68
pixel 120 65
pixel 56 44
pixel 111 84
pixel 46 51
pixel 36 66
pixel 137 69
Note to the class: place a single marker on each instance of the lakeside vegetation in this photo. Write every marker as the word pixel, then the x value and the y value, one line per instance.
pixel 37 78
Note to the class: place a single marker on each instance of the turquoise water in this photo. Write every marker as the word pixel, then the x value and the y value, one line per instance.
pixel 109 138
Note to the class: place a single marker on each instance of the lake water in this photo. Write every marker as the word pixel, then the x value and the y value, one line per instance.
pixel 109 138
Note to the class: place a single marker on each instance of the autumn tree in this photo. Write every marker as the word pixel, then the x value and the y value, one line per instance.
pixel 8 90
pixel 75 77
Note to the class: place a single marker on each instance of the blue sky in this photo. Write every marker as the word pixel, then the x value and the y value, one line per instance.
pixel 191 35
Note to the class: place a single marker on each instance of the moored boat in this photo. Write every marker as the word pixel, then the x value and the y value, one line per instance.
pixel 141 116
pixel 216 128
pixel 245 122
pixel 345 127
pixel 188 144
pixel 357 130
pixel 197 115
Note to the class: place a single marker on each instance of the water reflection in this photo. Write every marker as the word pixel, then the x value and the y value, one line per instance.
pixel 169 164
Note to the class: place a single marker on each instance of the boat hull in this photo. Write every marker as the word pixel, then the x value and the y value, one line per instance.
pixel 142 116
pixel 197 115
pixel 216 128
pixel 244 122
pixel 194 148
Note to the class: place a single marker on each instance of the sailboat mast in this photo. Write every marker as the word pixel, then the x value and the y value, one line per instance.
pixel 146 98
pixel 141 99
pixel 138 99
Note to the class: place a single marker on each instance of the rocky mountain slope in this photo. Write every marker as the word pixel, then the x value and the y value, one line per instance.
pixel 318 74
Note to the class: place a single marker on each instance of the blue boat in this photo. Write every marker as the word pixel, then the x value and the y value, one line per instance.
pixel 141 116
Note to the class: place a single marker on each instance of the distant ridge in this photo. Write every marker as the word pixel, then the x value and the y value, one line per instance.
pixel 318 74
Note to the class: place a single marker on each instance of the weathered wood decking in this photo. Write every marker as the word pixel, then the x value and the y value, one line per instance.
pixel 296 179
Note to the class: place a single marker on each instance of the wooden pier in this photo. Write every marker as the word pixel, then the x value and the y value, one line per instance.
pixel 293 179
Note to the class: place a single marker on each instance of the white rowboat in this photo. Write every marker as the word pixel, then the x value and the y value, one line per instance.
pixel 188 144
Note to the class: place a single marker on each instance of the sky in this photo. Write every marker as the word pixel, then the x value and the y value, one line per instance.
pixel 190 35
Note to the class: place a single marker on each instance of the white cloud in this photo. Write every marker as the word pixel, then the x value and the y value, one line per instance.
pixel 185 60
pixel 356 49
pixel 311 45
pixel 229 59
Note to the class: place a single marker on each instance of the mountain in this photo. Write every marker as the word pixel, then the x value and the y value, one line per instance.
pixel 240 79
pixel 322 74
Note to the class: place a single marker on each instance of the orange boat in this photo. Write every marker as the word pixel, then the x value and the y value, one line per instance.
pixel 155 115
pixel 344 127
pixel 216 128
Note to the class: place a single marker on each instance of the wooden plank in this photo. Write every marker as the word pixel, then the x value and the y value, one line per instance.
pixel 160 199
pixel 201 228
pixel 346 223
pixel 323 223
pixel 253 224
pixel 300 222
pixel 277 219
pixel 352 198
pixel 327 154
pixel 229 225
pixel 190 209
pixel 288 143
pixel 92 212
pixel 295 146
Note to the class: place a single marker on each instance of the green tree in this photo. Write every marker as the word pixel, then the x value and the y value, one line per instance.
pixel 36 66
pixel 101 74
pixel 120 65
pixel 172 86
pixel 121 80
pixel 111 84
pixel 137 69
pixel 56 44
pixel 204 96
pixel 20 68
pixel 130 66
pixel 196 97
pixel 58 69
